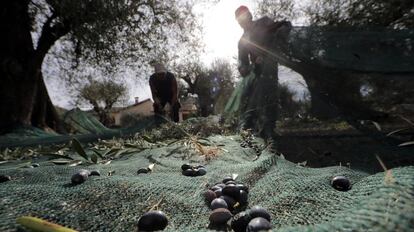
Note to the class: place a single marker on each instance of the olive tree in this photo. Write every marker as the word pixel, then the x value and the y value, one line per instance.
pixel 102 32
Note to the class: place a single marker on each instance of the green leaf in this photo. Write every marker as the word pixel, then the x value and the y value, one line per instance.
pixel 79 149
pixel 94 158
pixel 98 154
pixel 56 156
pixel 148 139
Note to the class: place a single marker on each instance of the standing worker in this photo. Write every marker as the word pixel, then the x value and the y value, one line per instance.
pixel 164 90
pixel 261 100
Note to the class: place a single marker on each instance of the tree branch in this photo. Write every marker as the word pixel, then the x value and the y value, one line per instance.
pixel 50 34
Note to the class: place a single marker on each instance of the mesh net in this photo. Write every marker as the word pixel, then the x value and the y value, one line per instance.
pixel 298 198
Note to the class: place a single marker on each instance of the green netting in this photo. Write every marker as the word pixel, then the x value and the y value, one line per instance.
pixel 83 123
pixel 235 101
pixel 85 126
pixel 298 198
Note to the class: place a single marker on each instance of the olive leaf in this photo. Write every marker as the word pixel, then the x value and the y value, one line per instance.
pixel 75 163
pixel 79 149
pixel 406 144
pixel 94 158
pixel 377 125
pixel 38 224
pixel 396 131
pixel 98 154
pixel 60 162
pixel 56 156
pixel 148 139
pixel 234 176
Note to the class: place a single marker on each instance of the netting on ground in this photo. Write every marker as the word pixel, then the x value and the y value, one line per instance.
pixel 298 198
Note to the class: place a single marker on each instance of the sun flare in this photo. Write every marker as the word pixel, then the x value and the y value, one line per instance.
pixel 222 31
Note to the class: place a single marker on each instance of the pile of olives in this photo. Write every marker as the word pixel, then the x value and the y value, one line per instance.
pixel 189 170
pixel 152 221
pixel 224 198
pixel 252 220
pixel 82 175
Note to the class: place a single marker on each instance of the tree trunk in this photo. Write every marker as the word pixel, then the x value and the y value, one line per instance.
pixel 18 84
pixel 23 96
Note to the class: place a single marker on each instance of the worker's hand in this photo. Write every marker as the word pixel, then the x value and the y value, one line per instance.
pixel 244 71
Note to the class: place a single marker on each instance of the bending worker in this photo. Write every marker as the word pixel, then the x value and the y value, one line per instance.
pixel 164 90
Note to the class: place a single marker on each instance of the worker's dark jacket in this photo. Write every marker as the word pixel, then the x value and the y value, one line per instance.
pixel 258 42
pixel 163 86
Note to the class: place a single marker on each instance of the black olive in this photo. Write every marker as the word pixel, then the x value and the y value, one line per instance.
pixel 221 185
pixel 230 201
pixel 218 192
pixel 201 171
pixel 209 195
pixel 143 171
pixel 215 187
pixel 243 197
pixel 243 187
pixel 220 216
pixel 227 178
pixel 218 203
pixel 4 178
pixel 240 221
pixel 80 177
pixel 257 211
pixel 232 191
pixel 231 182
pixel 152 221
pixel 189 172
pixel 95 173
pixel 186 166
pixel 341 183
pixel 258 224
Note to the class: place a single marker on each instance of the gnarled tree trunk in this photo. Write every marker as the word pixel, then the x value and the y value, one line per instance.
pixel 24 100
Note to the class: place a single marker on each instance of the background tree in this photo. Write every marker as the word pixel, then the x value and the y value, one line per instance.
pixel 103 32
pixel 102 95
pixel 212 84
pixel 366 14
pixel 340 93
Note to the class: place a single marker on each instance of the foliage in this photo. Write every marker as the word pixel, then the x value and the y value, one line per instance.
pixel 102 95
pixel 277 10
pixel 384 13
pixel 212 85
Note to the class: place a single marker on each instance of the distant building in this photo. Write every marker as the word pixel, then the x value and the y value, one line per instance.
pixel 145 109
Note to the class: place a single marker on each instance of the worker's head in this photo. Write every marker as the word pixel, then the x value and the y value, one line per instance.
pixel 159 67
pixel 243 16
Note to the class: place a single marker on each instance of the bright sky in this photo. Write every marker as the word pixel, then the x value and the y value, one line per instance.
pixel 222 32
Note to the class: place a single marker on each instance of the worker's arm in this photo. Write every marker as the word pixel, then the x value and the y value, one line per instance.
pixel 277 25
pixel 243 59
pixel 154 90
